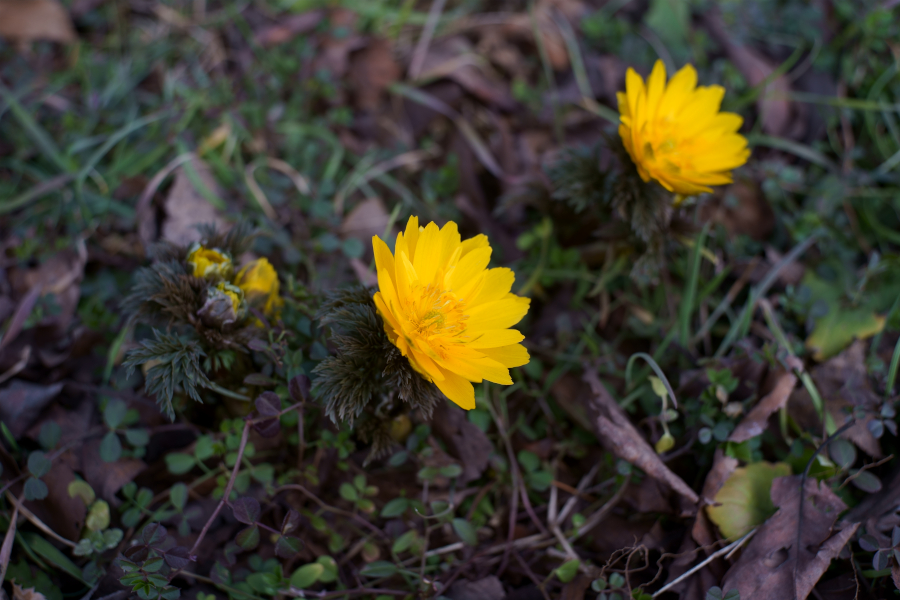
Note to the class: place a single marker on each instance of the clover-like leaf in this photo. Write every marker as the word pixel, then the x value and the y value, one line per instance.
pixel 246 510
pixel 268 404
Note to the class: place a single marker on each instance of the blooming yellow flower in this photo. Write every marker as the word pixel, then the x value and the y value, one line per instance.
pixel 232 293
pixel 446 311
pixel 675 133
pixel 209 262
pixel 259 281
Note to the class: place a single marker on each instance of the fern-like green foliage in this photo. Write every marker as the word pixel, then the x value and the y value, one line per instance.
pixel 366 376
pixel 603 182
pixel 176 367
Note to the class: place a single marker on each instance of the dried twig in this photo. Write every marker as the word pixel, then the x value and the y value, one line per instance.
pixel 733 546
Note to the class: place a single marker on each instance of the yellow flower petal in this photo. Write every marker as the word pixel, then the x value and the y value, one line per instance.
pixel 457 389
pixel 445 311
pixel 675 133
pixel 509 356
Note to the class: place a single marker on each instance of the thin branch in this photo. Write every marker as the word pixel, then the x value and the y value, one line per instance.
pixel 37 522
pixel 726 550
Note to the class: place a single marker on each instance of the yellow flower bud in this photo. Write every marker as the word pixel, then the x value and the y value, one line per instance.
pixel 259 282
pixel 209 262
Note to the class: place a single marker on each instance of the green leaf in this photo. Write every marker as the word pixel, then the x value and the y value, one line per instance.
pixel 98 516
pixel 204 447
pixel 35 489
pixel 110 447
pixel 842 452
pixel 306 575
pixel 348 492
pixel 529 460
pixel 179 463
pixel 451 471
pixel 567 571
pixel 866 481
pixel 137 437
pixel 465 531
pixel 82 489
pixel 395 508
pixel 841 324
pixel 49 435
pixel 671 20
pixel 405 541
pixel 665 443
pixel 38 463
pixel 329 574
pixel 744 498
pixel 286 547
pixel 248 539
pixel 178 495
pixel 49 552
pixel 379 569
pixel 114 413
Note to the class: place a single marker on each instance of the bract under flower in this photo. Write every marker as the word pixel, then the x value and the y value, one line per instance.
pixel 675 133
pixel 446 311
pixel 209 262
pixel 259 281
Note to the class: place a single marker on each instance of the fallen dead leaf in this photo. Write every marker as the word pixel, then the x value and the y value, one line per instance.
pixel 751 214
pixel 26 21
pixel 372 70
pixel 843 383
pixel 575 589
pixel 454 58
pixel 21 402
pixel 368 218
pixel 757 419
pixel 288 28
pixel 186 207
pixel 64 514
pixel 488 588
pixel 772 103
pixel 59 275
pixel 723 466
pixel 463 439
pixel 108 478
pixel 334 52
pixel 20 593
pixel 616 432
pixel 766 566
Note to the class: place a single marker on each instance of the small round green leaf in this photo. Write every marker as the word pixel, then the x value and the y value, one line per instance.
pixel 306 575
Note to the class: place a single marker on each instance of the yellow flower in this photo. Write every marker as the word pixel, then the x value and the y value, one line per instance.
pixel 675 133
pixel 232 293
pixel 446 311
pixel 209 262
pixel 259 281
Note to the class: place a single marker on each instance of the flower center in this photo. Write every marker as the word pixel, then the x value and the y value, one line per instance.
pixel 436 313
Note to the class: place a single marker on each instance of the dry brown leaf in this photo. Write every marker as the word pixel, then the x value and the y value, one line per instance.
pixel 843 383
pixel 703 531
pixel 766 566
pixel 372 70
pixel 751 215
pixel 772 103
pixel 108 478
pixel 186 208
pixel 488 588
pixel 757 419
pixel 368 218
pixel 21 402
pixel 617 433
pixel 63 513
pixel 463 439
pixel 32 20
pixel 522 27
pixel 334 52
pixel 455 59
pixel 289 27
pixel 20 593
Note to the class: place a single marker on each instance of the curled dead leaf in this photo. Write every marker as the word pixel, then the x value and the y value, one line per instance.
pixel 757 419
pixel 186 206
pixel 617 433
pixel 35 20
pixel 767 565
